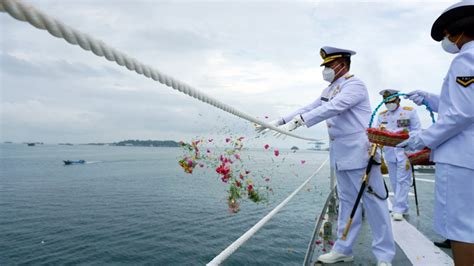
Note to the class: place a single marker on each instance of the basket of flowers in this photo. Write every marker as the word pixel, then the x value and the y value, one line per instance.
pixel 386 138
pixel 421 157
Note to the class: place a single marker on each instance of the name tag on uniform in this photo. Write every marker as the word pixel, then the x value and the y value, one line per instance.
pixel 403 122
pixel 384 122
pixel 324 99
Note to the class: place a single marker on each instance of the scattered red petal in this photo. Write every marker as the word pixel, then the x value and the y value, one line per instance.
pixel 266 146
pixel 210 140
pixel 266 117
pixel 303 161
pixel 318 242
pixel 227 139
pixel 276 152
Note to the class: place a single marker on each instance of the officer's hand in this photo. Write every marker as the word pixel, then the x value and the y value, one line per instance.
pixel 275 123
pixel 417 96
pixel 290 126
pixel 414 143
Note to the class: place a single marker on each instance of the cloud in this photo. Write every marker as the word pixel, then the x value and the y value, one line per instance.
pixel 16 66
pixel 260 57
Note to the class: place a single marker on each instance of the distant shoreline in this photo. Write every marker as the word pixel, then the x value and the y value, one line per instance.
pixel 145 143
pixel 127 143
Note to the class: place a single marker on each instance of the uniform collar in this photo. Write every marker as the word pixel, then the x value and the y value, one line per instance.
pixel 467 46
pixel 340 79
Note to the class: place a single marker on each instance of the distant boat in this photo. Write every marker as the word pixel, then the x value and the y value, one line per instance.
pixel 31 144
pixel 317 145
pixel 68 162
pixel 425 169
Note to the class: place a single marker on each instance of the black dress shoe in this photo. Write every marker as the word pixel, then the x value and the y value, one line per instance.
pixel 445 244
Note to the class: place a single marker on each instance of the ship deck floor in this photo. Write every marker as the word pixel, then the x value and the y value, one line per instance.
pixel 414 236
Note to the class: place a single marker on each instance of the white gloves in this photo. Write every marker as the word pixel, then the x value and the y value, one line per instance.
pixel 295 123
pixel 414 143
pixel 276 123
pixel 418 96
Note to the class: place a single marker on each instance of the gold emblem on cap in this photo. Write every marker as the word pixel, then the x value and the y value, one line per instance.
pixel 322 53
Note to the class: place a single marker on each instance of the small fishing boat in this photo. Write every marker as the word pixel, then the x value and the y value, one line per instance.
pixel 68 162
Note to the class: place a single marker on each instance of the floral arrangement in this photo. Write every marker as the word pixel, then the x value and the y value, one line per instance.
pixel 229 167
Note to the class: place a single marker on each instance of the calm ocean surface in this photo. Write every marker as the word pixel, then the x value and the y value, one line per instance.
pixel 134 205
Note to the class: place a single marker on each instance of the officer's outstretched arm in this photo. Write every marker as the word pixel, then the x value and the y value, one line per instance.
pixel 303 110
pixel 350 95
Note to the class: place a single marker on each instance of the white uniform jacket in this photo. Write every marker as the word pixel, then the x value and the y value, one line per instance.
pixel 403 118
pixel 451 138
pixel 346 108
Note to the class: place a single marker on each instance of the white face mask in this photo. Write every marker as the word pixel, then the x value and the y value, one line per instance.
pixel 391 106
pixel 449 46
pixel 329 74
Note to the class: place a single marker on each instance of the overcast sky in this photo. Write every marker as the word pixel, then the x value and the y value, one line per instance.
pixel 261 57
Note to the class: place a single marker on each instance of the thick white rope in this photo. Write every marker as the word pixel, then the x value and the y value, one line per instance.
pixel 243 238
pixel 27 13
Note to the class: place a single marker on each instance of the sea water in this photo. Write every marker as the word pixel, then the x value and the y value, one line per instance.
pixel 135 205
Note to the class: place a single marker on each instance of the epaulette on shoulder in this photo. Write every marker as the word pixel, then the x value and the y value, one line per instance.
pixel 408 108
pixel 348 76
pixel 383 112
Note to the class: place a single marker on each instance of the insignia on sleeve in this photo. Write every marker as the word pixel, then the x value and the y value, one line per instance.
pixel 465 81
pixel 348 76
pixel 383 112
pixel 408 108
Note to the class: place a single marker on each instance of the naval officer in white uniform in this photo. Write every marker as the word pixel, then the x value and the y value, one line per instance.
pixel 451 138
pixel 397 118
pixel 345 106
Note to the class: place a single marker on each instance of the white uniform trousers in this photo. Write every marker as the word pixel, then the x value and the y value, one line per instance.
pixel 348 185
pixel 400 178
pixel 454 202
